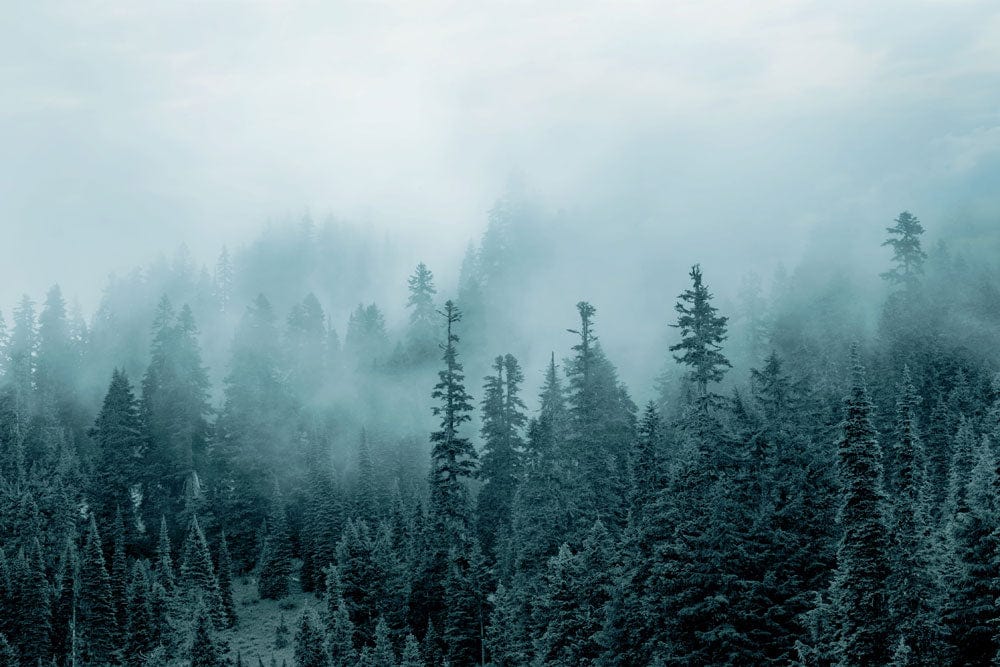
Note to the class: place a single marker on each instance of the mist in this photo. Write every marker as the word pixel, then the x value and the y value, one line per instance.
pixel 416 318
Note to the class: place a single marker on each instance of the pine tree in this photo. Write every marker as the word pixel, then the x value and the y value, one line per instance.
pixel 224 567
pixel 34 609
pixel 411 653
pixel 913 586
pixel 204 651
pixel 119 577
pixel 904 238
pixel 453 457
pixel 702 335
pixel 117 433
pixel 139 625
pixel 863 630
pixel 253 431
pixel 164 568
pixel 306 345
pixel 222 281
pixel 601 429
pixel 96 612
pixel 506 636
pixel 175 409
pixel 309 651
pixel 63 601
pixel 503 421
pixel 339 628
pixel 197 574
pixel 384 655
pixel 55 375
pixel 275 563
pixel 431 648
pixel 422 335
pixel 973 613
pixel 358 578
pixel 367 505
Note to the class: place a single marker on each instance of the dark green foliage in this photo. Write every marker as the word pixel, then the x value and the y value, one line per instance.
pixel 904 238
pixel 282 634
pixel 339 627
pixel 860 609
pixel 465 606
pixel 274 567
pixel 33 600
pixel 205 651
pixel 411 653
pixel 453 457
pixel 117 433
pixel 702 334
pixel 383 655
pixel 197 581
pixel 500 461
pixel 224 569
pixel 95 607
pixel 8 654
pixel 422 336
pixel 309 651
pixel 140 626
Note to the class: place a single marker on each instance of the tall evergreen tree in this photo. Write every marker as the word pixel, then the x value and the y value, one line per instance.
pixel 422 335
pixel 702 334
pixel 96 613
pixel 197 579
pixel 205 651
pixel 309 651
pixel 503 422
pixel 224 569
pixel 863 625
pixel 118 435
pixel 453 456
pixel 907 255
pixel 274 567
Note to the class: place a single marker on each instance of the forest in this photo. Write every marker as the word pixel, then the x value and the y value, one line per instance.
pixel 204 472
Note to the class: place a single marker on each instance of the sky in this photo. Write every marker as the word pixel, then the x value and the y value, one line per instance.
pixel 733 133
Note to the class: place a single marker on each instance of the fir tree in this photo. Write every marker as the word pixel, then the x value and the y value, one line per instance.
pixel 117 433
pixel 904 238
pixel 411 653
pixel 96 612
pixel 453 457
pixel 164 568
pixel 139 626
pixel 384 654
pixel 339 628
pixel 8 654
pixel 275 564
pixel 702 335
pixel 34 600
pixel 863 629
pixel 503 421
pixel 422 335
pixel 224 568
pixel 205 652
pixel 197 575
pixel 309 651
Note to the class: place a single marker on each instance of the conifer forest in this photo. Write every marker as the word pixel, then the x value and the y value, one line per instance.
pixel 637 334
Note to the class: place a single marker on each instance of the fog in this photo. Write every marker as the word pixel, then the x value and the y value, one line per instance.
pixel 649 135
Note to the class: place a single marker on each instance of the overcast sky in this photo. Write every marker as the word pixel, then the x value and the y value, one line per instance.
pixel 127 127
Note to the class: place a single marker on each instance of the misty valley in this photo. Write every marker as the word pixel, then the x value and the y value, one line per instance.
pixel 206 470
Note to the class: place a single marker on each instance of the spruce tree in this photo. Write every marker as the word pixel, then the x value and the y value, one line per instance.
pixel 422 335
pixel 915 598
pixel 274 569
pixel 95 618
pixel 453 456
pixel 34 600
pixel 503 422
pixel 309 651
pixel 975 533
pixel 205 652
pixel 117 433
pixel 197 574
pixel 411 653
pixel 224 568
pixel 702 334
pixel 863 625
pixel 384 654
pixel 119 577
pixel 339 628
pixel 139 625
pixel 164 567
pixel 907 255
